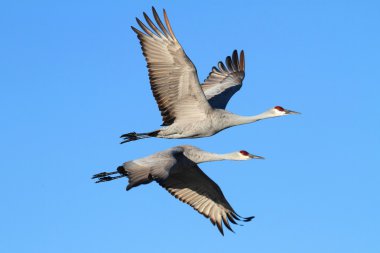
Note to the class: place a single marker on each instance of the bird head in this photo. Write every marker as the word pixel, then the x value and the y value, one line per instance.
pixel 244 155
pixel 280 111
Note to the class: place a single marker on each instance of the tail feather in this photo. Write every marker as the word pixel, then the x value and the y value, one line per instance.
pixel 136 174
pixel 133 136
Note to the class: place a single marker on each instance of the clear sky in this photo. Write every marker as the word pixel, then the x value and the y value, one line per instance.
pixel 73 80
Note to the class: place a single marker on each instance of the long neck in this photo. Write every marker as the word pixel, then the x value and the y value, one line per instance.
pixel 240 120
pixel 201 156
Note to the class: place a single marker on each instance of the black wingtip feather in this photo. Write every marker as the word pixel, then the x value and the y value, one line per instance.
pixel 242 61
pixel 229 63
pixel 249 218
pixel 222 66
pixel 231 219
pixel 135 30
pixel 227 224
pixel 235 55
pixel 235 61
pixel 219 225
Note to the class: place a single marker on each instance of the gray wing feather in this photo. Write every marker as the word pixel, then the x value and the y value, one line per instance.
pixel 154 167
pixel 173 77
pixel 192 186
pixel 225 80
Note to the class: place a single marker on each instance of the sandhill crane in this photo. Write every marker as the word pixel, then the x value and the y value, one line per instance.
pixel 176 170
pixel 188 109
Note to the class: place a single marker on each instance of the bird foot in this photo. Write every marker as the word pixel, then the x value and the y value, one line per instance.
pixel 108 178
pixel 104 179
pixel 129 137
pixel 103 174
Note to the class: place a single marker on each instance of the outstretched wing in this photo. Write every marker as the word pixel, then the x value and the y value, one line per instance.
pixel 193 187
pixel 224 81
pixel 173 77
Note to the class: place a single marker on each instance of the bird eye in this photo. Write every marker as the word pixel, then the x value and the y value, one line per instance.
pixel 243 152
pixel 279 108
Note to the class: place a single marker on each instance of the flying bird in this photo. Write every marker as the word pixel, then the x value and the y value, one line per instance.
pixel 176 170
pixel 189 109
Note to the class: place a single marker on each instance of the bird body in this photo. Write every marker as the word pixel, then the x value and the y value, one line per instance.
pixel 216 121
pixel 189 109
pixel 176 170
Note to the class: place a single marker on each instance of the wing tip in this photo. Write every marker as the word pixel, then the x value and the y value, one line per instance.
pixel 169 26
pixel 220 227
pixel 245 219
pixel 242 61
pixel 135 29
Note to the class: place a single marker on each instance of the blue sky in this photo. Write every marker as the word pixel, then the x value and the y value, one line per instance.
pixel 73 80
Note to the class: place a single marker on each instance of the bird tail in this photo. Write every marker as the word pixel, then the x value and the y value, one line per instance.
pixel 133 136
pixel 137 175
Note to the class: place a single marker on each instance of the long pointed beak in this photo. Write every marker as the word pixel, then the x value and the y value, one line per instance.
pixel 256 156
pixel 291 112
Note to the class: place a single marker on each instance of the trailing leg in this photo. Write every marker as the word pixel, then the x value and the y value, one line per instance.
pixel 133 136
pixel 105 176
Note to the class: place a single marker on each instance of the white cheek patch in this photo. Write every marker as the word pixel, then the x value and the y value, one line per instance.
pixel 277 112
pixel 243 156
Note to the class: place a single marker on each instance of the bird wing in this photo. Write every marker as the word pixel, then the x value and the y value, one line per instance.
pixel 193 187
pixel 173 77
pixel 225 80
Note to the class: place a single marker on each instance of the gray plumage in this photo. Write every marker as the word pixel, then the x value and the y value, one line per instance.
pixel 225 80
pixel 188 109
pixel 177 171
